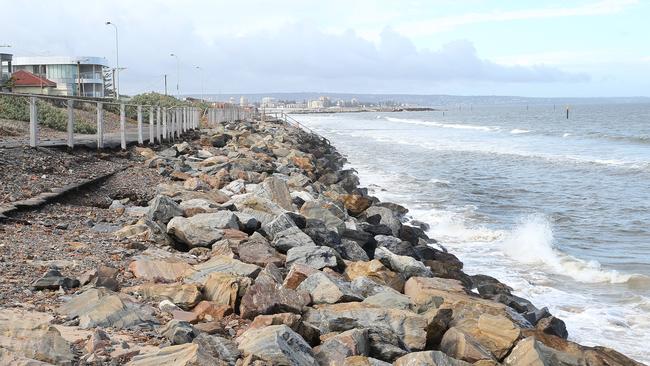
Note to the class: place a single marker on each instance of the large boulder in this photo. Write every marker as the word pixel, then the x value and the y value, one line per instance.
pixel 316 257
pixel 184 296
pixel 390 300
pixel 462 346
pixel 334 350
pixel 277 344
pixel 202 230
pixel 27 339
pixel 428 358
pixel 407 266
pixel 223 264
pixel 223 349
pixel 259 252
pixel 178 332
pixel 396 245
pixel 290 238
pixel 189 354
pixel 278 224
pixel 151 269
pixel 328 289
pixel 265 298
pixel 328 212
pixel 385 217
pixel 277 191
pixel 375 271
pixel 410 328
pixel 103 308
pixel 163 208
pixel 225 288
pixel 532 352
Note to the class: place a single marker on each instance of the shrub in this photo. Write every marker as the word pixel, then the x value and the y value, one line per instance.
pixel 17 108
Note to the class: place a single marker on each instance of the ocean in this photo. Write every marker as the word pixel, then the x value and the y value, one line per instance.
pixel 557 208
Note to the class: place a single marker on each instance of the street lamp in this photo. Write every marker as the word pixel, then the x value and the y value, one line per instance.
pixel 117 61
pixel 201 77
pixel 178 75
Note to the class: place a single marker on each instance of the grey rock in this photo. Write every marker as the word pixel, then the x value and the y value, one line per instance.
pixel 325 289
pixel 427 358
pixel 52 280
pixel 163 208
pixel 291 237
pixel 277 344
pixel 178 332
pixel 277 191
pixel 388 299
pixel 334 350
pixel 280 223
pixel 396 245
pixel 386 217
pixel 407 266
pixel 224 264
pixel 222 348
pixel 202 230
pixel 367 287
pixel 315 257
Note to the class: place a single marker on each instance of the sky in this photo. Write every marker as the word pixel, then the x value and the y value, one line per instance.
pixel 579 48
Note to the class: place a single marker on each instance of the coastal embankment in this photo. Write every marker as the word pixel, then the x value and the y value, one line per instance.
pixel 252 245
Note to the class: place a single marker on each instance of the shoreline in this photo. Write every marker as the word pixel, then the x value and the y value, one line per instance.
pixel 257 241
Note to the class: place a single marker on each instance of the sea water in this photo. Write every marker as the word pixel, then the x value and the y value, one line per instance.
pixel 557 208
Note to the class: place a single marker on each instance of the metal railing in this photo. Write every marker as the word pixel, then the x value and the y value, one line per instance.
pixel 165 123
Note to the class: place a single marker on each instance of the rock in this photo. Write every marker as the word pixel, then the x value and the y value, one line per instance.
pixel 329 213
pixel 162 209
pixel 197 206
pixel 168 306
pixel 27 339
pixel 293 321
pixel 277 191
pixel 184 296
pixel 366 287
pixel 375 271
pixel 531 352
pixel 386 217
pixel 247 223
pixel 390 300
pixel 259 252
pixel 409 327
pixel 225 288
pixel 364 361
pixel 103 276
pixel 52 280
pixel 262 298
pixel 248 201
pixel 278 224
pixel 438 323
pixel 326 289
pixel 297 274
pixel 99 340
pixel 159 269
pixel 223 264
pixel 462 346
pixel 291 238
pixel 395 245
pixel 315 257
pixel 354 203
pixel 189 354
pixel 178 332
pixel 407 266
pixel 336 349
pixel 385 344
pixel 495 333
pixel 427 358
pixel 277 344
pixel 554 326
pixel 412 234
pixel 196 184
pixel 211 310
pixel 185 316
pixel 202 230
pixel 222 348
pixel 103 308
pixel 351 250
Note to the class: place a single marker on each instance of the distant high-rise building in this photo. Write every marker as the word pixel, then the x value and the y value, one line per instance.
pixel 243 102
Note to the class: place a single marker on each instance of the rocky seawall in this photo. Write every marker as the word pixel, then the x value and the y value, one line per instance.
pixel 260 249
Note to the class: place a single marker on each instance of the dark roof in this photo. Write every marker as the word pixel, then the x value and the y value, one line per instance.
pixel 26 78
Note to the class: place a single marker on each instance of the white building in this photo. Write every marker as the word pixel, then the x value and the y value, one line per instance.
pixel 74 76
pixel 243 102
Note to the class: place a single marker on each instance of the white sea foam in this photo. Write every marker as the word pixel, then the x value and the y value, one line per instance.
pixel 517 131
pixel 532 242
pixel 442 125
pixel 566 135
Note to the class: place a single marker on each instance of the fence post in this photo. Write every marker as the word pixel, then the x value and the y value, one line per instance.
pixel 33 122
pixel 164 126
pixel 100 125
pixel 140 138
pixel 123 126
pixel 70 123
pixel 158 132
pixel 151 142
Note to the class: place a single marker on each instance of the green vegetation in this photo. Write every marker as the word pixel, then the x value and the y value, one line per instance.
pixel 17 108
pixel 157 99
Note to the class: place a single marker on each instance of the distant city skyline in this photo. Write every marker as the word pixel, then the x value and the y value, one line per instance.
pixel 579 48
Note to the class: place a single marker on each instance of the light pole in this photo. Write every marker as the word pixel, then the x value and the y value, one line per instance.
pixel 201 77
pixel 117 61
pixel 178 75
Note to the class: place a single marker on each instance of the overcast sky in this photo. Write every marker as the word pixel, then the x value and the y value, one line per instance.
pixel 468 47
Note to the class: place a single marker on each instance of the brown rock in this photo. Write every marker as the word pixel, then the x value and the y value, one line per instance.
pixel 224 288
pixel 178 175
pixel 336 349
pixel 210 310
pixel 297 274
pixel 184 296
pixel 354 203
pixel 376 272
pixel 261 299
pixel 159 269
pixel 462 346
pixel 260 253
pixel 427 358
pixel 185 316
